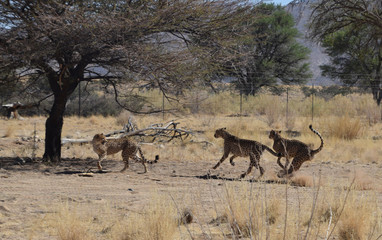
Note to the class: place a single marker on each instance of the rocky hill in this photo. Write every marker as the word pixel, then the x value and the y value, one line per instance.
pixel 301 11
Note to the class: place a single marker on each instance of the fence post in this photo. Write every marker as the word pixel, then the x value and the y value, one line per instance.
pixel 79 99
pixel 312 102
pixel 163 105
pixel 241 103
pixel 287 107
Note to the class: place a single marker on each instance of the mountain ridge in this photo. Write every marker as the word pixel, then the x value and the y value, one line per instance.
pixel 301 11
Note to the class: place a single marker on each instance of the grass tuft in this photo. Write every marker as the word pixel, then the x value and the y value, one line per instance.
pixel 345 128
pixel 302 180
pixel 158 221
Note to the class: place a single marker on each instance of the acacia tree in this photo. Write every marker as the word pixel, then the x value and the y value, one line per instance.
pixel 64 42
pixel 270 52
pixel 351 32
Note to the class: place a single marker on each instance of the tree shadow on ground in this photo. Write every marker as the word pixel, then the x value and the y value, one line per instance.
pixel 65 166
pixel 217 177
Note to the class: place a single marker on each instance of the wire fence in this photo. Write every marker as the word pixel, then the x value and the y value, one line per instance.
pixel 272 102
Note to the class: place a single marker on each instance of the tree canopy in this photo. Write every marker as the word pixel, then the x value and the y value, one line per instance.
pixel 59 43
pixel 269 53
pixel 351 32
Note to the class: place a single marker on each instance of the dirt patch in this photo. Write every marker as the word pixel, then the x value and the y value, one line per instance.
pixel 28 188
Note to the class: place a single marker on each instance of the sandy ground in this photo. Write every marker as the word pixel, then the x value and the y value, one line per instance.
pixel 29 189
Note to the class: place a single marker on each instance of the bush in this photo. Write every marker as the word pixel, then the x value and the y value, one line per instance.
pixel 245 212
pixel 345 127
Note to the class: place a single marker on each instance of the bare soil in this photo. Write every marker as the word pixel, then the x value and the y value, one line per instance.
pixel 28 188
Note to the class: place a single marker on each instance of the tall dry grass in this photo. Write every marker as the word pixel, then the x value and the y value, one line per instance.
pixel 159 220
pixel 65 221
pixel 249 212
pixel 244 210
pixel 344 127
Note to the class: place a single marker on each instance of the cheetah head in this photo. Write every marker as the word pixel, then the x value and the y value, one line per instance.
pixel 99 138
pixel 273 134
pixel 220 132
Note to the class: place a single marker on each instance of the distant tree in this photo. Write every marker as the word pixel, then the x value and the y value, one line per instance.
pixel 269 53
pixel 351 32
pixel 61 43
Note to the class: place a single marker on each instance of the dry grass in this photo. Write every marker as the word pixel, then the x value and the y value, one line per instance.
pixel 258 209
pixel 10 132
pixel 363 181
pixel 302 180
pixel 65 221
pixel 345 127
pixel 158 221
pixel 249 213
pixel 360 219
pixel 71 227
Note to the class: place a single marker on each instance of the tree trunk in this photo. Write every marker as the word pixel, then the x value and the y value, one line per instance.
pixel 53 129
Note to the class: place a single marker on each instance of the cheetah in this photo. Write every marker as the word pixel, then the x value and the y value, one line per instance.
pixel 129 149
pixel 242 148
pixel 291 148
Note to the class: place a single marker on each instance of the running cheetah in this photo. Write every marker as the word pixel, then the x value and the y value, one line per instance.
pixel 242 148
pixel 291 148
pixel 129 149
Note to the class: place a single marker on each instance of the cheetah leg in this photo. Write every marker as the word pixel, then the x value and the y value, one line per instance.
pixel 279 163
pixel 251 164
pixel 257 162
pixel 126 161
pixel 144 165
pixel 221 160
pixel 231 160
pixel 286 163
pixel 295 165
pixel 101 157
pixel 254 162
pixel 142 159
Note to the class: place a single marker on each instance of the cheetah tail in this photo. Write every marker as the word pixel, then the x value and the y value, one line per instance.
pixel 322 141
pixel 145 160
pixel 141 153
pixel 271 151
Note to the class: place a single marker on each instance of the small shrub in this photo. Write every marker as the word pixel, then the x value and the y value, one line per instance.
pixel 362 181
pixel 221 103
pixel 350 229
pixel 360 218
pixel 245 212
pixel 71 226
pixel 290 121
pixel 345 127
pixel 158 221
pixel 271 107
pixel 123 118
pixel 302 180
pixel 320 107
pixel 10 131
pixel 342 105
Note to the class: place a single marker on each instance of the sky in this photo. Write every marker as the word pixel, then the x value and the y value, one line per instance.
pixel 282 2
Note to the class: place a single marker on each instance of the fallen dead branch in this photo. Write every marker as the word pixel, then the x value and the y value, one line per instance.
pixel 154 133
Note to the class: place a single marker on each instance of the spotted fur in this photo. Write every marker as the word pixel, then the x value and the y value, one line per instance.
pixel 242 148
pixel 291 148
pixel 104 147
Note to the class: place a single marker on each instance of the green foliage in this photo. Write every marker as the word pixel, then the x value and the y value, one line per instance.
pixel 350 31
pixel 270 53
pixel 353 57
pixel 327 92
pixel 308 91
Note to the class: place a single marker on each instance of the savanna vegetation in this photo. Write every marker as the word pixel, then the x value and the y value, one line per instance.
pixel 99 64
pixel 337 195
